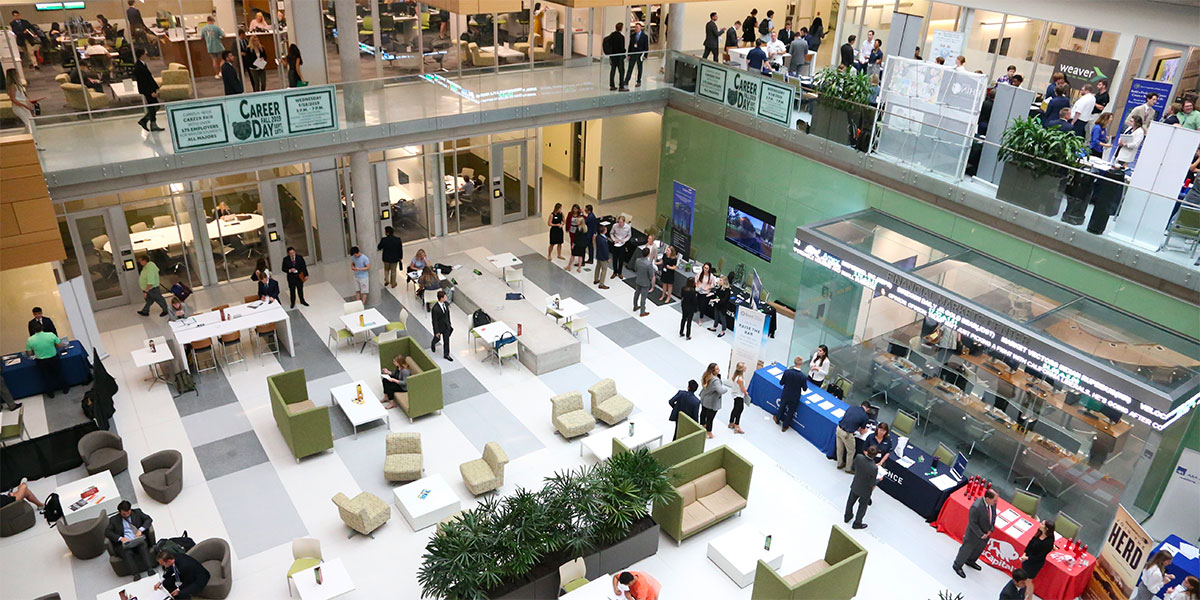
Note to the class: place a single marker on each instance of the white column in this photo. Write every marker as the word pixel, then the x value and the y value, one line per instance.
pixel 347 41
pixel 226 19
pixel 366 217
pixel 675 30
pixel 306 29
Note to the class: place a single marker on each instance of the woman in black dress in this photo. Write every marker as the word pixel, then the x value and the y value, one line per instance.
pixel 555 222
pixel 667 264
pixel 579 244
pixel 750 28
pixel 689 302
pixel 1035 553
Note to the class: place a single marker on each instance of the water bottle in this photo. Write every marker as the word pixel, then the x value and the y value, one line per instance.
pixel 358 388
pixel 152 350
pixel 518 329
pixel 767 543
pixel 361 321
pixel 317 574
pixel 222 314
pixel 631 429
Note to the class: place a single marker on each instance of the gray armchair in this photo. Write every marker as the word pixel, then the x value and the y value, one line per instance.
pixel 103 451
pixel 162 475
pixel 17 517
pixel 120 567
pixel 85 539
pixel 214 554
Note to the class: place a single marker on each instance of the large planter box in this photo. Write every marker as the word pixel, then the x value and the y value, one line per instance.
pixel 610 560
pixel 1019 186
pixel 829 123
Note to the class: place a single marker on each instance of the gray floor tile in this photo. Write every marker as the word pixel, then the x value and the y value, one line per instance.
pixel 230 455
pixel 664 357
pixel 363 458
pixel 459 385
pixel 627 332
pixel 63 410
pixel 312 354
pixel 554 280
pixel 483 419
pixel 212 390
pixel 573 378
pixel 603 312
pixel 260 521
pixel 216 424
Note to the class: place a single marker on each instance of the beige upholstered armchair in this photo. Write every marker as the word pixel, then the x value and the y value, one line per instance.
pixel 485 474
pixel 568 415
pixel 607 404
pixel 364 513
pixel 403 460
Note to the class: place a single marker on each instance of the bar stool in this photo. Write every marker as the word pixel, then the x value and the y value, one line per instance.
pixel 267 333
pixel 232 342
pixel 203 348
pixel 249 299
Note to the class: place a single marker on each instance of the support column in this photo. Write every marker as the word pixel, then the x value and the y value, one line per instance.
pixel 347 41
pixel 675 30
pixel 226 16
pixel 306 29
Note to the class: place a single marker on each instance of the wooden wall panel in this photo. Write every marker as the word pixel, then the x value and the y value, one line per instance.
pixel 29 233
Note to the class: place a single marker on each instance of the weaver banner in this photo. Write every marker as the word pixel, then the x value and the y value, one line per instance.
pixel 1121 559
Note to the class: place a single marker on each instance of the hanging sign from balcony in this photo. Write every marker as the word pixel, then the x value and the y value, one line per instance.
pixel 243 119
pixel 748 92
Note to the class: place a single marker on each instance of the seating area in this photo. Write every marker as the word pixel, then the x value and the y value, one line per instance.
pixel 403 460
pixel 690 437
pixel 486 474
pixel 162 475
pixel 569 417
pixel 834 577
pixel 607 405
pixel 424 395
pixel 363 513
pixel 709 488
pixel 103 451
pixel 304 425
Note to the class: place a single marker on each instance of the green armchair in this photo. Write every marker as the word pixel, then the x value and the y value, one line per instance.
pixel 424 394
pixel 834 577
pixel 304 425
pixel 709 488
pixel 689 441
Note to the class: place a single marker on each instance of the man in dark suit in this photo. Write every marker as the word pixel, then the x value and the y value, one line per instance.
pixel 230 75
pixel 847 52
pixel 732 38
pixel 441 325
pixel 183 575
pixel 639 45
pixel 614 47
pixel 589 217
pixel 45 322
pixel 135 24
pixel 865 476
pixel 685 402
pixel 643 270
pixel 712 37
pixel 787 35
pixel 295 267
pixel 148 88
pixel 980 520
pixel 129 533
pixel 795 383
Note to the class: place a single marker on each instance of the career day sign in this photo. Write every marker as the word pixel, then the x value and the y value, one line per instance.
pixel 250 118
pixel 748 92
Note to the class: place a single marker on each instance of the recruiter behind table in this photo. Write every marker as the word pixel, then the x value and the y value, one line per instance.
pixel 43 346
pixel 45 322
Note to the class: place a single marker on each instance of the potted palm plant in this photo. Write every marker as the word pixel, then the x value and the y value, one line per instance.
pixel 512 547
pixel 841 104
pixel 1034 157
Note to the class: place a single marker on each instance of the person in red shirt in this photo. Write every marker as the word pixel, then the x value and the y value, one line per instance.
pixel 636 585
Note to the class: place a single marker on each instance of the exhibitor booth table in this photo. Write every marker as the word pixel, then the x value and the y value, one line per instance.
pixel 1186 561
pixel 918 485
pixel 817 416
pixel 1060 578
pixel 23 379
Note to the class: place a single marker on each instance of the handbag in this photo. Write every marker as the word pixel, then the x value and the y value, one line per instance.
pixel 301 84
pixel 505 339
pixel 302 276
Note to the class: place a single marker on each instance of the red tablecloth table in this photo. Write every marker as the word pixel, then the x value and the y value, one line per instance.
pixel 1059 579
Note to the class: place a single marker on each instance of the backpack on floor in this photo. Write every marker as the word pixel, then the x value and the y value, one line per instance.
pixel 175 545
pixel 479 318
pixel 184 382
pixel 53 509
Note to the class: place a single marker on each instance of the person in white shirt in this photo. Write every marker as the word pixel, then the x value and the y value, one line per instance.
pixel 1155 576
pixel 621 232
pixel 960 64
pixel 1188 590
pixel 1131 140
pixel 1082 109
pixel 818 367
pixel 775 48
pixel 864 53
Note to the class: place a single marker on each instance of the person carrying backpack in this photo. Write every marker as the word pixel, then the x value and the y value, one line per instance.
pixel 749 27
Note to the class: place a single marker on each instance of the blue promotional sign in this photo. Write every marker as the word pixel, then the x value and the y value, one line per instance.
pixel 1138 89
pixel 683 209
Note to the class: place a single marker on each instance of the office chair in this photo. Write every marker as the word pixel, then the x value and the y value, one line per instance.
pixel 1026 502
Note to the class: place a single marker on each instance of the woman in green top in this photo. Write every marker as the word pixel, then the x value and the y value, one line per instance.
pixel 43 347
pixel 214 42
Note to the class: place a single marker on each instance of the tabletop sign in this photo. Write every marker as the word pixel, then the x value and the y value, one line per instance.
pixel 748 92
pixel 248 118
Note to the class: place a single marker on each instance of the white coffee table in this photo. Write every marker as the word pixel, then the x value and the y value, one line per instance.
pixel 359 414
pixel 105 500
pixel 335 581
pixel 143 357
pixel 600 443
pixel 126 91
pixel 441 502
pixel 142 589
pixel 737 553
pixel 370 319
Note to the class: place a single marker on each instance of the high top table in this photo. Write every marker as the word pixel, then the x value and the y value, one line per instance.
pixel 242 317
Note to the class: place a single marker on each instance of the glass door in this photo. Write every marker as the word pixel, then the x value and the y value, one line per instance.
pixel 513 184
pixel 92 236
pixel 294 218
pixel 235 227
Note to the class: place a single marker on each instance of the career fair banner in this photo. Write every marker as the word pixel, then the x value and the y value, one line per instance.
pixel 244 119
pixel 683 208
pixel 1083 68
pixel 748 92
pixel 747 338
pixel 1122 557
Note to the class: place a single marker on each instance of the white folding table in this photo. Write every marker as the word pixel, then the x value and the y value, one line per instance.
pixel 491 332
pixel 144 357
pixel 504 261
pixel 364 321
pixel 600 443
pixel 568 308
pixel 105 499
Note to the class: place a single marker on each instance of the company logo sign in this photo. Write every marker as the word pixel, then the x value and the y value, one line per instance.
pixel 1083 68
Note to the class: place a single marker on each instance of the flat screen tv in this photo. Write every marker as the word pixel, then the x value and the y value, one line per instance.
pixel 749 228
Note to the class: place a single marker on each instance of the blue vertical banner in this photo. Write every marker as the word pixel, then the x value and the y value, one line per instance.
pixel 1138 89
pixel 683 209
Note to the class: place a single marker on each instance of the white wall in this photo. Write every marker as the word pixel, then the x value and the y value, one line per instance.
pixel 629 154
pixel 728 11
pixel 21 289
pixel 556 148
pixel 1158 20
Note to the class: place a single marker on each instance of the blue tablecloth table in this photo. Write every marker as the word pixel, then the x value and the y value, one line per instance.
pixel 23 378
pixel 912 486
pixel 1181 566
pixel 815 424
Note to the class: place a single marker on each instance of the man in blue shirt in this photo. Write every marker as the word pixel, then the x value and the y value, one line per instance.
pixel 360 264
pixel 854 421
pixel 756 59
pixel 795 383
pixel 685 402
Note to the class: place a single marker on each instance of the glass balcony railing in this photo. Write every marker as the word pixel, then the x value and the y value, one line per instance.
pixel 1093 195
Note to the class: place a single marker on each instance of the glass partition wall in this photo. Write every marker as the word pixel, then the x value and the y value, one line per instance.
pixel 1019 428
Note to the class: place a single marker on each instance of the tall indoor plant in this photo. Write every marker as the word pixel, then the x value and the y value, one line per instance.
pixel 512 545
pixel 1034 157
pixel 841 105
